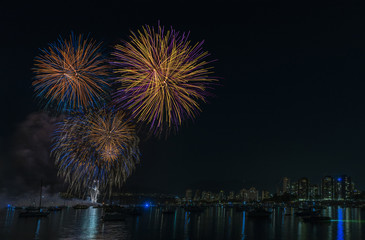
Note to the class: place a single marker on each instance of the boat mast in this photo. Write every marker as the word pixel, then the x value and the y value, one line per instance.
pixel 40 197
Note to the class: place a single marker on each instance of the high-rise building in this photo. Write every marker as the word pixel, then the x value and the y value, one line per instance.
pixel 204 196
pixel 197 195
pixel 209 196
pixel 189 195
pixel 253 194
pixel 265 195
pixel 244 194
pixel 294 188
pixel 221 196
pixel 314 191
pixel 356 193
pixel 286 185
pixel 231 196
pixel 348 187
pixel 303 189
pixel 327 188
pixel 343 188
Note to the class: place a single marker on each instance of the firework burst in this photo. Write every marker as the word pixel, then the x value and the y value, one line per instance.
pixel 101 146
pixel 162 78
pixel 71 74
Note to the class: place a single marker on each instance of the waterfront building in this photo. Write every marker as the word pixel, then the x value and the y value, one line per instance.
pixel 285 185
pixel 327 188
pixel 189 195
pixel 244 194
pixel 231 196
pixel 265 195
pixel 314 191
pixel 343 188
pixel 294 188
pixel 204 196
pixel 197 195
pixel 303 189
pixel 221 196
pixel 253 194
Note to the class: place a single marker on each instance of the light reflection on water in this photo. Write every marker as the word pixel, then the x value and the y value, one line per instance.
pixel 243 225
pixel 37 231
pixel 89 223
pixel 340 235
pixel 213 223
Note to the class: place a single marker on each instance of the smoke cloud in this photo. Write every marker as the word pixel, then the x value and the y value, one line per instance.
pixel 30 160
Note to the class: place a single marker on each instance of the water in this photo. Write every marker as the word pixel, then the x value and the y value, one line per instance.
pixel 214 223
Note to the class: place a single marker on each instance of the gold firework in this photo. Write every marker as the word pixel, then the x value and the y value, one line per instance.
pixel 162 77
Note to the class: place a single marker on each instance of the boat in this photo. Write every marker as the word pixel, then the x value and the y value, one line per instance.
pixel 135 211
pixel 307 212
pixel 168 210
pixel 34 214
pixel 229 206
pixel 35 211
pixel 241 208
pixel 316 219
pixel 54 209
pixel 259 213
pixel 319 207
pixel 32 208
pixel 113 216
pixel 194 209
pixel 114 208
pixel 80 206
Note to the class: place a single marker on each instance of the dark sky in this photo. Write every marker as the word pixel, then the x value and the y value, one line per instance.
pixel 291 103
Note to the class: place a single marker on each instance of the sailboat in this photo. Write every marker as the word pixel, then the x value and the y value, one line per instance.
pixel 37 212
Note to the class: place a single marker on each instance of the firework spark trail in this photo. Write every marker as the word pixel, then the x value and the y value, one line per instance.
pixel 72 74
pixel 162 78
pixel 101 146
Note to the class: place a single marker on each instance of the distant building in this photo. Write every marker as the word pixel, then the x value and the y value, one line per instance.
pixel 244 194
pixel 327 188
pixel 285 186
pixel 294 188
pixel 221 196
pixel 197 195
pixel 356 193
pixel 265 195
pixel 204 196
pixel 208 196
pixel 314 191
pixel 249 195
pixel 238 196
pixel 214 196
pixel 343 188
pixel 252 195
pixel 231 196
pixel 189 195
pixel 303 189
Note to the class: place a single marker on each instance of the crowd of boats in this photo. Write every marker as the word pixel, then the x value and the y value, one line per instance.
pixel 119 213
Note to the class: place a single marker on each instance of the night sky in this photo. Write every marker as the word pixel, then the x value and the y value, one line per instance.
pixel 291 101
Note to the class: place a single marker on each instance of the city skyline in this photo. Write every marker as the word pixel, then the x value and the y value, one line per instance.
pixel 330 188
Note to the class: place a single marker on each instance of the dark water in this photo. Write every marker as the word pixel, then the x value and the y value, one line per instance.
pixel 213 223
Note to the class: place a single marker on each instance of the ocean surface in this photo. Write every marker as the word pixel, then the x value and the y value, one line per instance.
pixel 214 223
